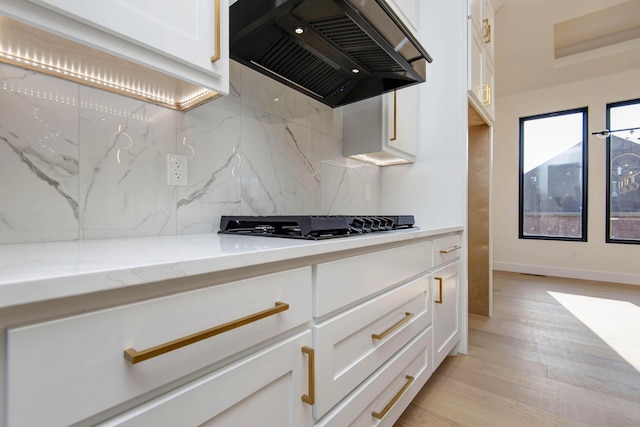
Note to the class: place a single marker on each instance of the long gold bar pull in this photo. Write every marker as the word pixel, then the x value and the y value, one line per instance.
pixel 135 356
pixel 449 250
pixel 216 54
pixel 395 117
pixel 380 415
pixel 405 319
pixel 311 397
pixel 439 300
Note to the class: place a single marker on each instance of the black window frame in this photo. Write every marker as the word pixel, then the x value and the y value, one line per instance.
pixel 585 156
pixel 608 238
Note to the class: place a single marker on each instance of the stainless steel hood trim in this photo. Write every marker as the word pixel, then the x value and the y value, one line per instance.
pixel 341 35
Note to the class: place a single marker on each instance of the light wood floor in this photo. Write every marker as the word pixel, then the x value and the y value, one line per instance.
pixel 534 363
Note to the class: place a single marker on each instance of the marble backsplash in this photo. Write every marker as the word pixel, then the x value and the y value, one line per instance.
pixel 80 163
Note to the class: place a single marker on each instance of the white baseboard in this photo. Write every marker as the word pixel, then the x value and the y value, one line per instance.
pixel 600 276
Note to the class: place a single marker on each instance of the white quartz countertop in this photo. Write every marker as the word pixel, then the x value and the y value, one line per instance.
pixel 36 272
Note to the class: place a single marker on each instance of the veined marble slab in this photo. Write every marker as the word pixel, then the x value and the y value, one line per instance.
pixel 34 272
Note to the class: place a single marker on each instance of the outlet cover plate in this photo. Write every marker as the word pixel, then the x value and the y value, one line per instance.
pixel 177 170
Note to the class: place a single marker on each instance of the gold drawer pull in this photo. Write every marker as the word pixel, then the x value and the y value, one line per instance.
pixel 405 319
pixel 449 250
pixel 311 397
pixel 380 415
pixel 439 301
pixel 135 356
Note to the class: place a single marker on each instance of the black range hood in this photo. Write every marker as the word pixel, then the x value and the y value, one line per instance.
pixel 347 50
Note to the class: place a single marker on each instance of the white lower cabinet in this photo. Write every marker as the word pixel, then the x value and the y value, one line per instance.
pixel 446 311
pixel 348 340
pixel 382 398
pixel 264 389
pixel 353 345
pixel 75 367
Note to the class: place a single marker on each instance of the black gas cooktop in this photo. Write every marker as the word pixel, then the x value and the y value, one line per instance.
pixel 313 227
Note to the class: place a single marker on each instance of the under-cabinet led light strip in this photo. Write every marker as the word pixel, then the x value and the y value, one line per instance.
pixel 99 82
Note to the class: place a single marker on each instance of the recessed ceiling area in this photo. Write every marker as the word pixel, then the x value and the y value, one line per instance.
pixel 545 43
pixel 606 27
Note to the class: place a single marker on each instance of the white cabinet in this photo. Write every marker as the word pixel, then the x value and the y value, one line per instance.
pixel 187 31
pixel 481 80
pixel 264 389
pixel 101 359
pixel 446 311
pixel 372 334
pixel 174 54
pixel 351 345
pixel 347 337
pixel 381 398
pixel 382 130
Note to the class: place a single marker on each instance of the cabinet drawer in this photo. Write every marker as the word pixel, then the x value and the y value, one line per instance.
pixel 354 344
pixel 73 368
pixel 446 249
pixel 345 281
pixel 264 389
pixel 383 387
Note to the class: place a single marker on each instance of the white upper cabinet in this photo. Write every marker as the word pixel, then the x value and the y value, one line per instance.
pixel 382 130
pixel 481 81
pixel 188 31
pixel 172 53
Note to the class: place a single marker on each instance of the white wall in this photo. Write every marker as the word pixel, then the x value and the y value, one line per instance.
pixel 434 188
pixel 594 259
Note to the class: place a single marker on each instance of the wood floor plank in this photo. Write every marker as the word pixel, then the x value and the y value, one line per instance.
pixel 535 363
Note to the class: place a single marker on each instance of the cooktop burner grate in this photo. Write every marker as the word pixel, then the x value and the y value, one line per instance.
pixel 313 227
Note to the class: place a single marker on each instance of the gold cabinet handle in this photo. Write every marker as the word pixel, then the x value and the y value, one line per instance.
pixel 216 54
pixel 449 250
pixel 395 117
pixel 487 31
pixel 405 319
pixel 380 415
pixel 134 356
pixel 439 279
pixel 484 93
pixel 311 397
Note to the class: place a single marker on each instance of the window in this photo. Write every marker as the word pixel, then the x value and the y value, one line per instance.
pixel 623 169
pixel 553 156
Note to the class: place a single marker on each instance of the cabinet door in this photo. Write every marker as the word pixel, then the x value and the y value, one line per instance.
pixel 476 63
pixel 400 107
pixel 191 32
pixel 265 389
pixel 446 311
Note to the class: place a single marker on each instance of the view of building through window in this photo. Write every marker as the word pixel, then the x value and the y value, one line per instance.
pixel 552 175
pixel 623 194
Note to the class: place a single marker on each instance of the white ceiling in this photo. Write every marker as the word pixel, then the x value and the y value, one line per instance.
pixel 524 31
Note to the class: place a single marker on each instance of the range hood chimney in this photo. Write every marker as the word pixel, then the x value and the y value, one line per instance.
pixel 335 51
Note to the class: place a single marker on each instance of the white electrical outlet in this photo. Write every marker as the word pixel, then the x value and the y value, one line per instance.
pixel 177 170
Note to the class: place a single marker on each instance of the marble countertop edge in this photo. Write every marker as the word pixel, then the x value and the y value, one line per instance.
pixel 36 272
